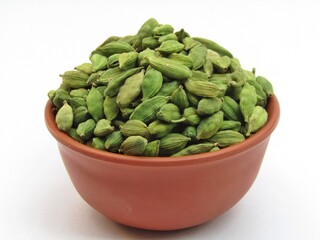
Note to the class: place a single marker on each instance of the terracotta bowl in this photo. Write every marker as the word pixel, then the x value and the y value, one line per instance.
pixel 164 193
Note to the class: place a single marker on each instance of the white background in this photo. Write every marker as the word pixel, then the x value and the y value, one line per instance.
pixel 41 39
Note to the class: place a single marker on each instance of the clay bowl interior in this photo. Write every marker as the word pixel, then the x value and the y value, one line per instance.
pixel 164 193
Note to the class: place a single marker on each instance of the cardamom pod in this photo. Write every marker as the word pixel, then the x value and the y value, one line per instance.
pixel 170 46
pixel 110 108
pixel 134 128
pixel 98 61
pixel 198 55
pixel 81 114
pixel 147 110
pixel 169 112
pixel 133 145
pixel 159 129
pixel 227 138
pixel 172 143
pixel 150 42
pixel 130 90
pixel 266 85
pixel 194 149
pixel 80 92
pixel 85 129
pixel 115 47
pixel 95 104
pixel 86 68
pixel 127 60
pixel 179 98
pixel 230 125
pixel 152 149
pixel 183 59
pixel 162 30
pixel 103 128
pixel 170 36
pixel 74 79
pixel 213 46
pixel 209 126
pixel 208 106
pixel 104 77
pixel 64 117
pixel 248 100
pixel 98 143
pixel 113 141
pixel 257 120
pixel 113 60
pixel 190 132
pixel 231 109
pixel 151 83
pixel 202 89
pixel 168 88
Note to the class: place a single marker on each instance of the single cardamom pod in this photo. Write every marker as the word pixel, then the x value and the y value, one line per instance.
pixel 130 90
pixel 248 100
pixel 194 149
pixel 76 102
pixel 150 42
pixel 80 92
pixel 98 143
pixel 162 30
pixel 98 61
pixel 234 64
pixel 151 83
pixel 209 126
pixel 202 89
pixel 143 57
pixel 170 68
pixel 221 64
pixel 170 46
pixel 257 120
pixel 81 114
pixel 115 47
pixel 74 79
pixel 95 104
pixel 64 117
pixel 169 112
pixel 152 149
pixel 266 85
pixel 189 43
pixel 147 110
pixel 133 145
pixel 85 129
pixel 208 106
pixel 190 117
pixel 104 77
pixel 86 68
pixel 227 138
pixel 113 142
pixel 198 55
pixel 213 46
pixel 262 97
pixel 208 67
pixel 126 112
pixel 230 125
pixel 127 60
pixel 179 98
pixel 73 133
pixel 159 129
pixel 182 34
pixel 190 132
pixel 113 60
pixel 110 108
pixel 103 128
pixel 231 109
pixel 172 143
pixel 170 36
pixel 183 59
pixel 134 128
pixel 168 88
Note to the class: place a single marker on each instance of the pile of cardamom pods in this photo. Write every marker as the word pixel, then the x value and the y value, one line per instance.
pixel 160 93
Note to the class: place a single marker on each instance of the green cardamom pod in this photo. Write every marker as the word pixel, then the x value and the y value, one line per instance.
pixel 179 98
pixel 189 43
pixel 151 83
pixel 134 145
pixel 190 117
pixel 81 114
pixel 234 64
pixel 51 94
pixel 103 128
pixel 266 85
pixel 163 30
pixel 248 100
pixel 227 138
pixel 115 47
pixel 230 125
pixel 73 133
pixel 144 55
pixel 75 79
pixel 110 108
pixel 170 46
pixel 80 92
pixel 182 34
pixel 135 128
pixel 126 112
pixel 194 149
pixel 202 89
pixel 199 76
pixel 98 143
pixel 168 88
pixel 152 149
pixel 85 129
pixel 159 129
pixel 172 143
pixel 113 142
pixel 208 67
pixel 98 61
pixel 93 78
pixel 231 109
pixel 113 60
pixel 95 104
pixel 130 39
pixel 64 117
pixel 170 68
pixel 147 27
pixel 170 36
pixel 190 132
pixel 209 126
pixel 262 97
pixel 213 46
pixel 169 112
pixel 147 110
pixel 221 64
pixel 257 120
pixel 208 106
pixel 114 85
pixel 214 149
pixel 193 99
pixel 130 90
pixel 198 55
pixel 86 68
pixel 104 77
pixel 76 102
pixel 150 42
pixel 128 60
pixel 183 59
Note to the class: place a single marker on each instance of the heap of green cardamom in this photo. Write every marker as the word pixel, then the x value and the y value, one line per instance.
pixel 160 93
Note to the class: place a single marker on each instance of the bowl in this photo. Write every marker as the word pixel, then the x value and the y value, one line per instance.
pixel 164 193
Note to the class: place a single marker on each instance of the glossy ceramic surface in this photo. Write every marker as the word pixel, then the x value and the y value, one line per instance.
pixel 164 193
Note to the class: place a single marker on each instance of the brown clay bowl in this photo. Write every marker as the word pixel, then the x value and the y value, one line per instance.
pixel 164 193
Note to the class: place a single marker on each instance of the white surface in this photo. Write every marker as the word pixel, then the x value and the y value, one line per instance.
pixel 41 39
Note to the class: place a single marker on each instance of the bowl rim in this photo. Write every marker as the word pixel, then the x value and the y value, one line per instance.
pixel 273 109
